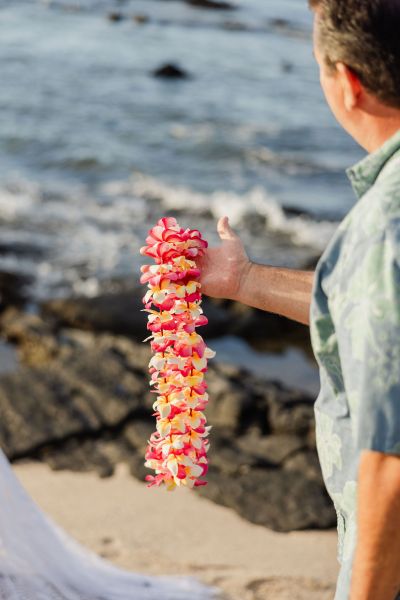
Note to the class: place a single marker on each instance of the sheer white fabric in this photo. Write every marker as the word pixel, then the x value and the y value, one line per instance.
pixel 39 561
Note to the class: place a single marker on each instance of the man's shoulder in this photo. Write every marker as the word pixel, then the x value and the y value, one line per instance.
pixel 374 219
pixel 379 208
pixel 387 188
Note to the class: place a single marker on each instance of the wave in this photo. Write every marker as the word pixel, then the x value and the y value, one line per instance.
pixel 77 240
pixel 303 229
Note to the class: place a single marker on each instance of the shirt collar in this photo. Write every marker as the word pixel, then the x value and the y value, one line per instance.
pixel 364 174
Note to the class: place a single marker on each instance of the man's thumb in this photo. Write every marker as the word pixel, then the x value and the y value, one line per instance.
pixel 225 231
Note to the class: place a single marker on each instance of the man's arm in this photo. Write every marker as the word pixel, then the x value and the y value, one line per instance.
pixel 227 272
pixel 285 292
pixel 376 567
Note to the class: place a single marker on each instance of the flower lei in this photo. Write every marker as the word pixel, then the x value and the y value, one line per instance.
pixel 177 450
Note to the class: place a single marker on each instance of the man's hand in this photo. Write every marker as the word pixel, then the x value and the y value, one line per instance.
pixel 376 567
pixel 224 268
pixel 227 272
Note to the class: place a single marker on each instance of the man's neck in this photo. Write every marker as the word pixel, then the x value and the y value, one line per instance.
pixel 381 136
pixel 376 129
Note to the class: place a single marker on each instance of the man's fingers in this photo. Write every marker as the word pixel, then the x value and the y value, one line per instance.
pixel 225 231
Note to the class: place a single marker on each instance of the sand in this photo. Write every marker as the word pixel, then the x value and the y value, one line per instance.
pixel 156 532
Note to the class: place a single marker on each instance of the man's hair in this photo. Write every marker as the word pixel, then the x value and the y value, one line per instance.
pixel 365 36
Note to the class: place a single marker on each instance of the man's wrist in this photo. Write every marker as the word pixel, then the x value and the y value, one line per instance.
pixel 243 284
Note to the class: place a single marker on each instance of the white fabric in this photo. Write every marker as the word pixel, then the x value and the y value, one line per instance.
pixel 39 561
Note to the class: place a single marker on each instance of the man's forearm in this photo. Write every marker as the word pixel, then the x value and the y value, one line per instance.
pixel 285 292
pixel 376 567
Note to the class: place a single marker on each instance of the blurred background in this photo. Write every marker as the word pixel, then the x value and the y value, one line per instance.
pixel 112 115
pixel 94 146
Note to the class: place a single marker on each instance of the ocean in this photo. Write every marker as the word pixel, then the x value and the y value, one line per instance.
pixel 94 148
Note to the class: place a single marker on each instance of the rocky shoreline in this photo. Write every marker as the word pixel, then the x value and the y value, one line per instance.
pixel 79 399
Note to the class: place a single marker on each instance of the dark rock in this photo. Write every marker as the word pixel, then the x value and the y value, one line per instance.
pixel 137 433
pixel 235 26
pixel 35 339
pixel 116 313
pixel 229 401
pixel 271 449
pixel 210 4
pixel 115 17
pixel 77 393
pixel 119 313
pixel 137 468
pixel 21 249
pixel 170 71
pixel 287 67
pixel 78 455
pixel 307 463
pixel 265 330
pixel 13 290
pixel 227 457
pixel 81 401
pixel 289 28
pixel 278 22
pixel 289 412
pixel 141 19
pixel 279 499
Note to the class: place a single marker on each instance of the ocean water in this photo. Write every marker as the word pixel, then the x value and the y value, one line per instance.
pixel 94 148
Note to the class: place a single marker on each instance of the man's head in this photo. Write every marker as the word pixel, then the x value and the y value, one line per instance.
pixel 357 45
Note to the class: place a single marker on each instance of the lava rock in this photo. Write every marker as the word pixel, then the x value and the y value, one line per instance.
pixel 170 71
pixel 119 313
pixel 116 313
pixel 70 396
pixel 307 463
pixel 271 450
pixel 81 400
pixel 13 290
pixel 289 411
pixel 281 500
pixel 138 432
pixel 235 26
pixel 210 4
pixel 115 17
pixel 229 401
pixel 141 19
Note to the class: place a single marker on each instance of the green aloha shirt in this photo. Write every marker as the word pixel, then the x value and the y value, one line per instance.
pixel 355 334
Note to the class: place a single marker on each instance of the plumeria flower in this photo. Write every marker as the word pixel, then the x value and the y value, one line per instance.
pixel 177 450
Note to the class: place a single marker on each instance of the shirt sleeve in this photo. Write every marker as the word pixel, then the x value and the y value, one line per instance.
pixel 368 336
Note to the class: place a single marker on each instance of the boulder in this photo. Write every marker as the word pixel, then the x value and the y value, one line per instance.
pixel 13 289
pixel 77 393
pixel 279 499
pixel 141 19
pixel 229 401
pixel 170 71
pixel 119 313
pixel 216 4
pixel 115 17
pixel 305 462
pixel 115 313
pixel 271 450
pixel 289 411
pixel 81 400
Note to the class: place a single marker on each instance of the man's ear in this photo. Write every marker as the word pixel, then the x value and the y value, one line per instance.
pixel 351 86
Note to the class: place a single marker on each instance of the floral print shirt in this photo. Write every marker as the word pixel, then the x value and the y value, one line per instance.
pixel 355 334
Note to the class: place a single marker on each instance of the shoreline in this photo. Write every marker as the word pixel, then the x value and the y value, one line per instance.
pixel 155 532
pixel 263 460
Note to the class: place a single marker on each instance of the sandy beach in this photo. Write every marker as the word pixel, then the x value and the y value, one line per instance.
pixel 154 532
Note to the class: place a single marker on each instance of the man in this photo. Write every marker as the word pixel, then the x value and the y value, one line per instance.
pixel 352 301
